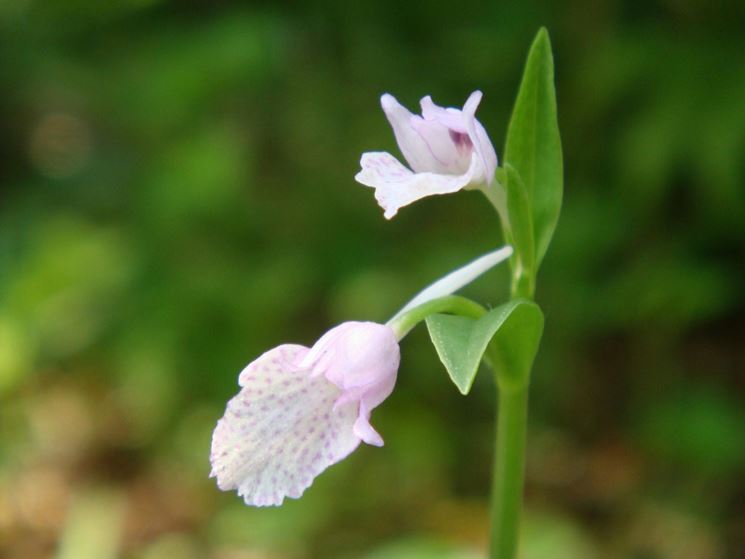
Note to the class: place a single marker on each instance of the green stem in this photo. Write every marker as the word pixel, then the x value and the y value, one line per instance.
pixel 512 414
pixel 451 304
pixel 509 471
pixel 523 286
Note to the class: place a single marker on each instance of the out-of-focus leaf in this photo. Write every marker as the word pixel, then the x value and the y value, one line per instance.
pixel 549 534
pixel 668 289
pixel 198 178
pixel 421 548
pixel 93 526
pixel 68 284
pixel 699 427
pixel 17 353
pixel 168 79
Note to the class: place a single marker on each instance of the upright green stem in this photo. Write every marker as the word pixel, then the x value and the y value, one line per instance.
pixel 509 470
pixel 508 476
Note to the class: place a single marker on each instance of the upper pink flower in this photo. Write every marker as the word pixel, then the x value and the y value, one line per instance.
pixel 446 148
pixel 301 410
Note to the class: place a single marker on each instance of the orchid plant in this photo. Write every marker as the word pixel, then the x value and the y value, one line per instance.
pixel 302 409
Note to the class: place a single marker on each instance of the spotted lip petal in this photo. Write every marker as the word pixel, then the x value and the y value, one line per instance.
pixel 301 410
pixel 281 430
pixel 446 148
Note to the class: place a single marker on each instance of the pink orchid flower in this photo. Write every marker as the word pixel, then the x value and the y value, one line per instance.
pixel 302 409
pixel 446 148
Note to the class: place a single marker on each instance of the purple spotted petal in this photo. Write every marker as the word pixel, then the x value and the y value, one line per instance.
pixel 301 410
pixel 281 430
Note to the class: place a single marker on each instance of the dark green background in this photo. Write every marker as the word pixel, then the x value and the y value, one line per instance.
pixel 177 195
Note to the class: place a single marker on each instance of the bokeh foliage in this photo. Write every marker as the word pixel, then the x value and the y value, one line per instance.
pixel 176 196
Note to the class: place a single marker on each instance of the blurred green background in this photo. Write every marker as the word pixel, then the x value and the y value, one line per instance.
pixel 177 195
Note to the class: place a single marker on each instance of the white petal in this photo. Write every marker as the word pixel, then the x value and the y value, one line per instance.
pixel 281 430
pixel 322 354
pixel 364 430
pixel 481 143
pixel 396 186
pixel 452 158
pixel 284 356
pixel 472 103
pixel 457 278
pixel 465 121
pixel 411 143
pixel 448 116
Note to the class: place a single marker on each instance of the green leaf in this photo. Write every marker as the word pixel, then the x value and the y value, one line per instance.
pixel 511 334
pixel 519 232
pixel 533 144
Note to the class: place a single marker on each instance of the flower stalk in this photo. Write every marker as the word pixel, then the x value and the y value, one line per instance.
pixel 451 304
pixel 509 470
pixel 508 476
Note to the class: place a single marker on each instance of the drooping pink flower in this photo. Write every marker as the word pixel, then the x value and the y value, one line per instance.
pixel 446 148
pixel 301 409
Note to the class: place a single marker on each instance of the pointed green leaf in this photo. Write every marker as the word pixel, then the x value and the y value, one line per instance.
pixel 533 144
pixel 451 335
pixel 511 333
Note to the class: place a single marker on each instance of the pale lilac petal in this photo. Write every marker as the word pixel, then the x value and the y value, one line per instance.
pixel 364 430
pixel 281 430
pixel 396 186
pixel 479 138
pixel 280 357
pixel 365 356
pixel 484 148
pixel 362 360
pixel 449 117
pixel 349 395
pixel 472 103
pixel 451 150
pixel 322 354
pixel 370 396
pixel 465 122
pixel 410 142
